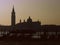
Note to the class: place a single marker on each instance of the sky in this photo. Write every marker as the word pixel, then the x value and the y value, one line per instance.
pixel 46 11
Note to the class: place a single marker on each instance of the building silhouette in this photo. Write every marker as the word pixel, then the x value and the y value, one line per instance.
pixel 29 27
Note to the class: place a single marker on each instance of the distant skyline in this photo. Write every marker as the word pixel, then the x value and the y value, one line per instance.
pixel 46 11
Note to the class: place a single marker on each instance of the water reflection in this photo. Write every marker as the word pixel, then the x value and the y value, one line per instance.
pixel 33 35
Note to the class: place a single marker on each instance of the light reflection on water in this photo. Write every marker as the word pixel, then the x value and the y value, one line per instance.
pixel 35 35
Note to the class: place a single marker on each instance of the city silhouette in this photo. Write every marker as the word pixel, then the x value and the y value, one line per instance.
pixel 29 30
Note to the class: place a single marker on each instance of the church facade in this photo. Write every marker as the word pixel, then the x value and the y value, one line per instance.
pixel 28 25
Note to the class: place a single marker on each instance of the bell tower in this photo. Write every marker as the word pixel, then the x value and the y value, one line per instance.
pixel 13 17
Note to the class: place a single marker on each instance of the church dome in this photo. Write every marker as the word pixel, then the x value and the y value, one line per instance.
pixel 29 20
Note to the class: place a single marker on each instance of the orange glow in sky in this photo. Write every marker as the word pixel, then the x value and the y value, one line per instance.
pixel 46 11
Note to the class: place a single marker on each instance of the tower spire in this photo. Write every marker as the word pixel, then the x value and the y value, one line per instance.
pixel 13 17
pixel 13 11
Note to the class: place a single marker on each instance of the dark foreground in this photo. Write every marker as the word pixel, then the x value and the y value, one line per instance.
pixel 29 42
